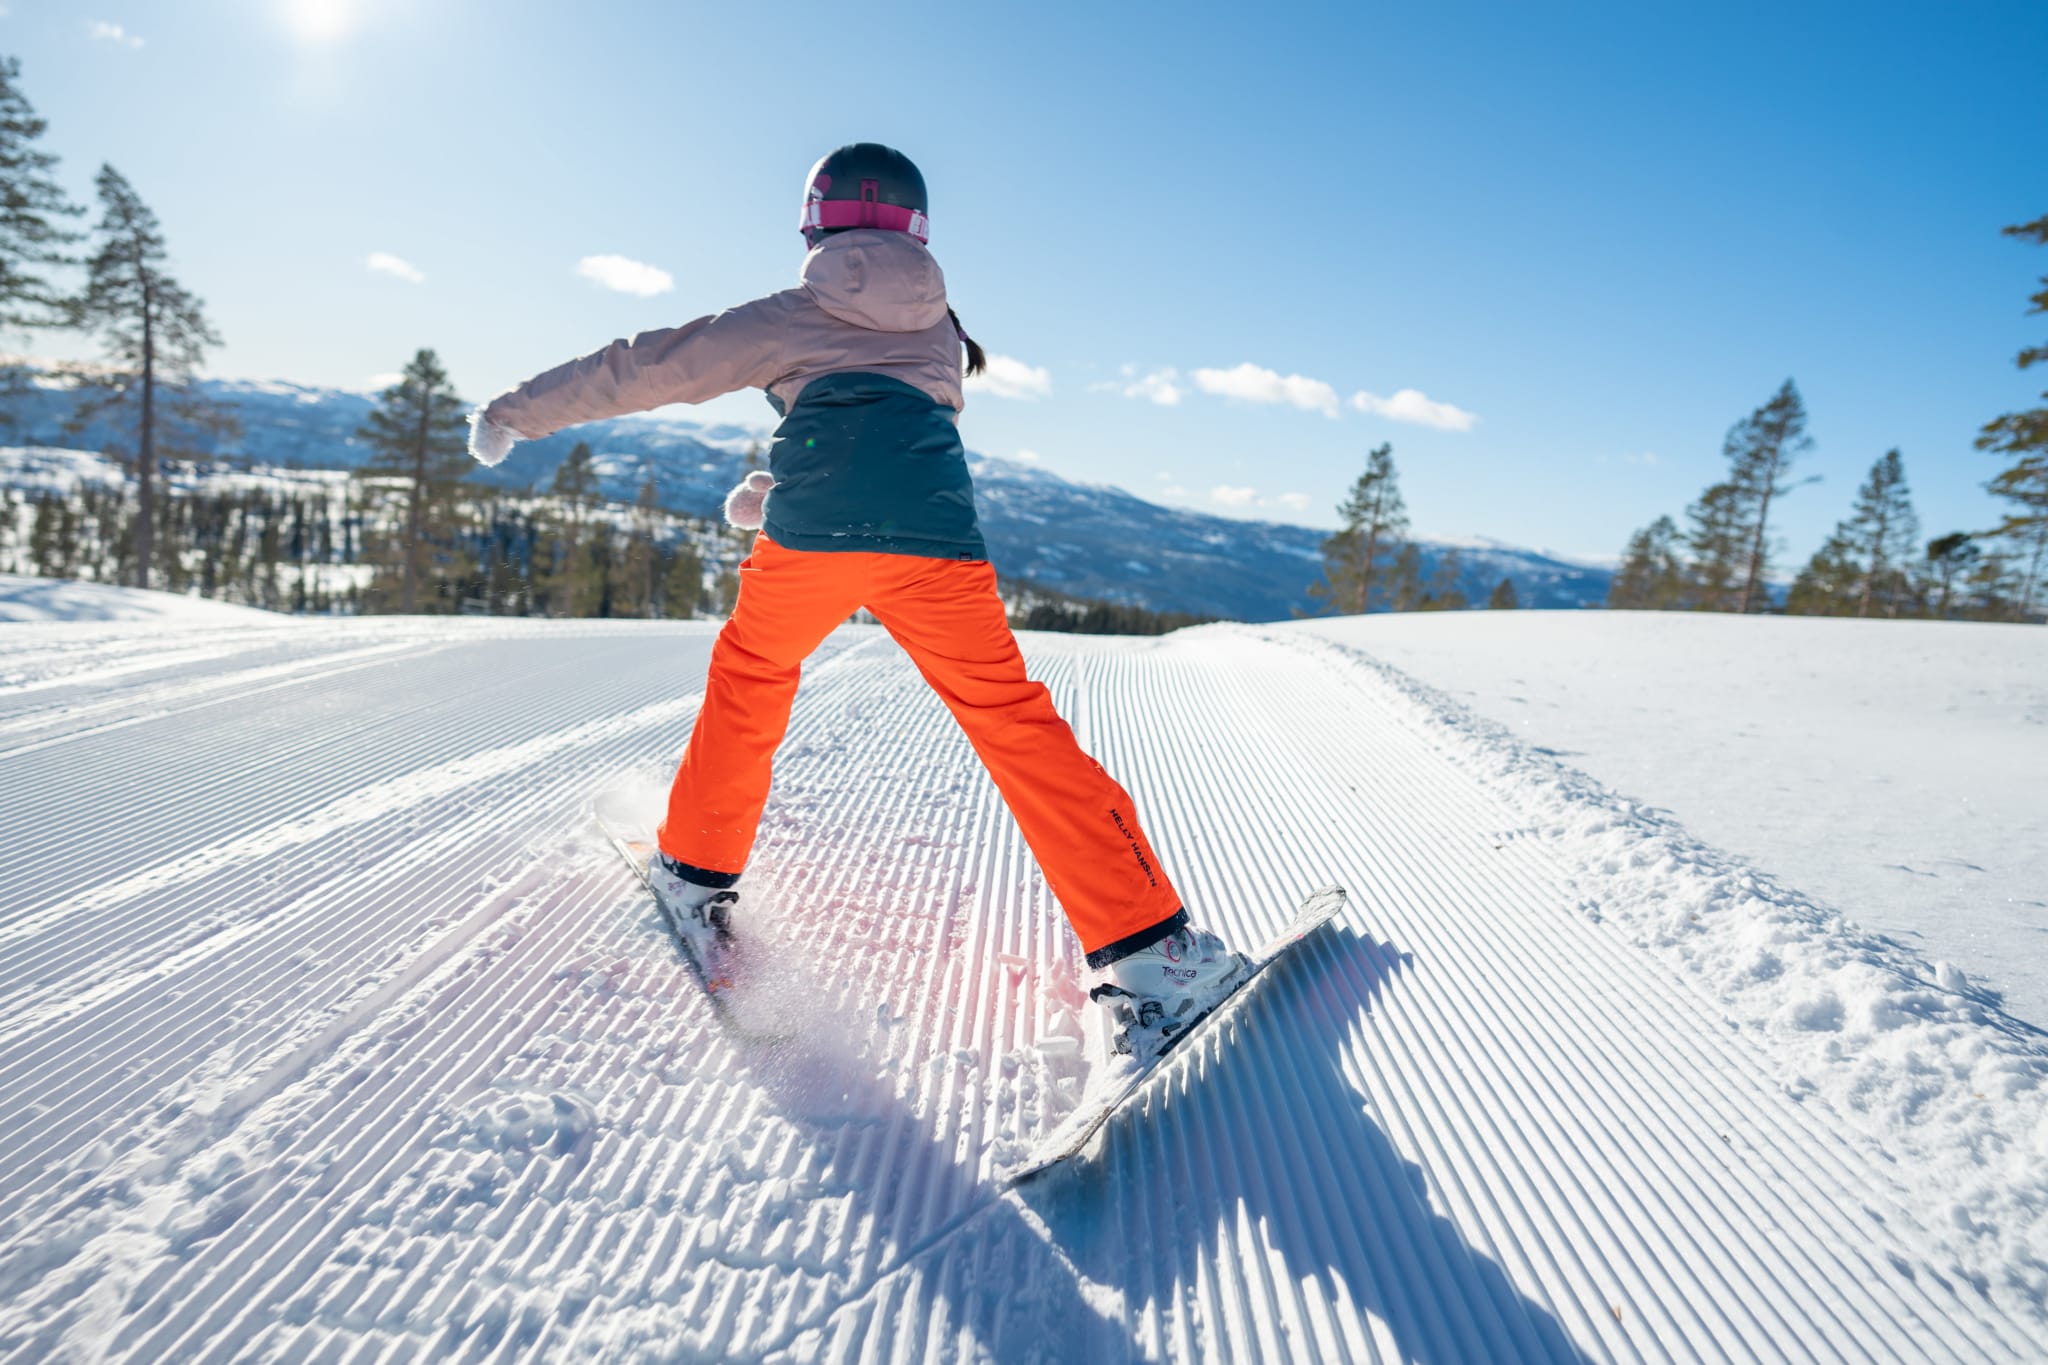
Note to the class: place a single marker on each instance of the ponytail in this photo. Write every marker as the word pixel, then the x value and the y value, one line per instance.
pixel 977 359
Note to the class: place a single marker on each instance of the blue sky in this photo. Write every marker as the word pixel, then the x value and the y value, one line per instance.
pixel 1550 253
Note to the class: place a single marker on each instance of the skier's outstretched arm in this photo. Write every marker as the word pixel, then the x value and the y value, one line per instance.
pixel 740 348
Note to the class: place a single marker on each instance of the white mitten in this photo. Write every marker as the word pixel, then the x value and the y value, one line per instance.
pixel 746 506
pixel 489 442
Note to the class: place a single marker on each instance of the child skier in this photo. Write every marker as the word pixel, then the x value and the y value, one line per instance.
pixel 867 503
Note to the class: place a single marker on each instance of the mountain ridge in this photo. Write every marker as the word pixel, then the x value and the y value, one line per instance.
pixel 1086 540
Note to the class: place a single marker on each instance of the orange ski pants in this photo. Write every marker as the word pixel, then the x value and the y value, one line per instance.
pixel 945 614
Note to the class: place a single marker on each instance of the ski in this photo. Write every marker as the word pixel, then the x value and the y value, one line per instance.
pixel 635 849
pixel 1080 1127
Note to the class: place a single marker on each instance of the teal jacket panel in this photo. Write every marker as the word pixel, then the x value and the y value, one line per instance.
pixel 865 462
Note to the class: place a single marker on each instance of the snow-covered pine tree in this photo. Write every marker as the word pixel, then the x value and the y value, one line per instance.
pixel 155 334
pixel 1650 578
pixel 1375 520
pixel 420 439
pixel 2024 437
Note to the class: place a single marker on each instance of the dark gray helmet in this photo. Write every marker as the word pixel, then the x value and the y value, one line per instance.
pixel 864 185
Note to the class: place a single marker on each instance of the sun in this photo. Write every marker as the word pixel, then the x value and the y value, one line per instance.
pixel 318 21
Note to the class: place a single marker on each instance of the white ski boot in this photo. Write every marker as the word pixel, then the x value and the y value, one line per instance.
pixel 701 917
pixel 1159 990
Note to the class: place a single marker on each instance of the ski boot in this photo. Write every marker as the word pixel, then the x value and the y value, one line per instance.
pixel 701 918
pixel 1159 990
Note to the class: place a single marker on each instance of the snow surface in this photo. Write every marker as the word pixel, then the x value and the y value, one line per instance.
pixel 24 598
pixel 1894 771
pixel 330 1030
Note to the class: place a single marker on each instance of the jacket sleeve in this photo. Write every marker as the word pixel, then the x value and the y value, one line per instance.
pixel 740 348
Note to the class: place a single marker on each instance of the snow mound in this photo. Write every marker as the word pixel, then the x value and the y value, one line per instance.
pixel 26 599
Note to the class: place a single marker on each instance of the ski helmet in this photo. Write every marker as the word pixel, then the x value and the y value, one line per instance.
pixel 864 185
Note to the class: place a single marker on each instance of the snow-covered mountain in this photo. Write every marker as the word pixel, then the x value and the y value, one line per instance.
pixel 1087 540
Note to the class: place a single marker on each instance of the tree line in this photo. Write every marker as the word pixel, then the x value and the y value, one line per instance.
pixel 292 541
pixel 1369 564
pixel 414 532
pixel 1032 606
pixel 1874 564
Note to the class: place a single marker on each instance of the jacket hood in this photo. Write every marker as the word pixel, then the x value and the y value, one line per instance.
pixel 883 281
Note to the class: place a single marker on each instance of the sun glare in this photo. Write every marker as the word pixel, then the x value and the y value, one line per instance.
pixel 317 21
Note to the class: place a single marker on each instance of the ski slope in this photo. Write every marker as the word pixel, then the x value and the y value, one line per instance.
pixel 329 1030
pixel 29 599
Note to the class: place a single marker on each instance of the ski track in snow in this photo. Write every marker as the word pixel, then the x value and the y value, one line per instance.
pixel 332 1031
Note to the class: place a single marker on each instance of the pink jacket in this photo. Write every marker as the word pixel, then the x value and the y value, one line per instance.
pixel 868 301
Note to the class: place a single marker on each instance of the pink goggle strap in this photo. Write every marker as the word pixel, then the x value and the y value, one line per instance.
pixel 865 213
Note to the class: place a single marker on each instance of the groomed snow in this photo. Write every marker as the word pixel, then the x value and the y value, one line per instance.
pixel 27 599
pixel 329 1030
pixel 1893 771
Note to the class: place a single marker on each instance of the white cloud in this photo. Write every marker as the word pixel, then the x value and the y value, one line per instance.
pixel 377 383
pixel 384 263
pixel 1009 377
pixel 1228 496
pixel 1029 456
pixel 1412 405
pixel 1256 384
pixel 1163 387
pixel 626 275
pixel 1293 502
pixel 102 31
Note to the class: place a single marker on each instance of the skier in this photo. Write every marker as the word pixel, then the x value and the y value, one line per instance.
pixel 867 503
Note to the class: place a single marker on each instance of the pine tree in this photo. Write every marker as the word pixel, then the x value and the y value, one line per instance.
pixel 33 208
pixel 1404 582
pixel 2024 437
pixel 1994 586
pixel 1412 584
pixel 683 585
pixel 1503 596
pixel 1884 531
pixel 1832 581
pixel 42 537
pixel 643 551
pixel 1863 568
pixel 1716 541
pixel 576 485
pixel 1375 520
pixel 1442 592
pixel 1650 577
pixel 155 334
pixel 1760 451
pixel 1949 558
pixel 725 592
pixel 418 437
